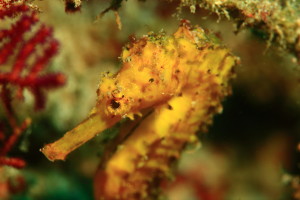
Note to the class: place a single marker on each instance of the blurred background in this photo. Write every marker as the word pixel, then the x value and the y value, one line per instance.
pixel 250 151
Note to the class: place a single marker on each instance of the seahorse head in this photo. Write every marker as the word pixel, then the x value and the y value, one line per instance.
pixel 151 73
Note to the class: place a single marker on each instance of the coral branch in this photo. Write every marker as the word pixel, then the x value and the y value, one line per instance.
pixel 41 62
pixel 28 49
pixel 13 162
pixel 10 10
pixel 14 136
pixel 6 100
pixel 15 34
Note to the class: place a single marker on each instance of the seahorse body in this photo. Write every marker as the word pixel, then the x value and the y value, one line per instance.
pixel 145 157
pixel 184 78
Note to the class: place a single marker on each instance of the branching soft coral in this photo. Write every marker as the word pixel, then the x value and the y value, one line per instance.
pixel 14 38
pixel 23 56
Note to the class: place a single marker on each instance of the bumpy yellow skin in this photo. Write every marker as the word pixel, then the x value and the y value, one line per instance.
pixel 184 78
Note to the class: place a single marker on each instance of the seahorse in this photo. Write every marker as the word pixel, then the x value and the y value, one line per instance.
pixel 183 79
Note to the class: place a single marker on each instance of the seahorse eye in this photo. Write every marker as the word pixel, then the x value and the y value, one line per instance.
pixel 114 104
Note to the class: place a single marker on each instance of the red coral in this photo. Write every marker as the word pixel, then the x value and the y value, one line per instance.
pixel 16 37
pixel 10 8
pixel 14 162
pixel 23 57
pixel 28 55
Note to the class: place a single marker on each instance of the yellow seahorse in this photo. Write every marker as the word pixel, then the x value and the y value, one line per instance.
pixel 183 78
